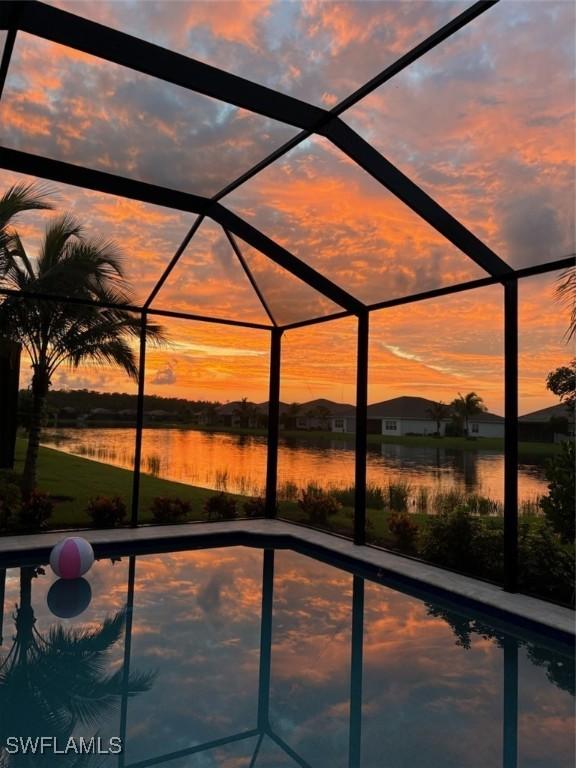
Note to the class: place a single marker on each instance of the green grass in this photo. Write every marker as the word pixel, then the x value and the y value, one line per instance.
pixel 63 475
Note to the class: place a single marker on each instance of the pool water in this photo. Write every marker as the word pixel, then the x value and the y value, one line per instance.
pixel 243 657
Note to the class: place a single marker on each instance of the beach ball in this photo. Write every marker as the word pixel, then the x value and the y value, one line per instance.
pixel 71 557
pixel 69 597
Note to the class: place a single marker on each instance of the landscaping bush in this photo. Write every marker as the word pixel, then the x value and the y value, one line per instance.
pixel 559 504
pixel 452 540
pixel 10 499
pixel 546 564
pixel 169 510
pixel 317 505
pixel 106 512
pixel 35 512
pixel 255 507
pixel 404 532
pixel 220 507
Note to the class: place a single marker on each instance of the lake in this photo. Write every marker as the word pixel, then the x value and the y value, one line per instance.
pixel 237 463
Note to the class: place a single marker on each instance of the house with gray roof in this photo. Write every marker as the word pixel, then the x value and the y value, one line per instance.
pixel 412 416
pixel 551 425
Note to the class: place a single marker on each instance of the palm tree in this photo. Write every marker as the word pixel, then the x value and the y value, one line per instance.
pixel 322 414
pixel 17 200
pixel 465 406
pixel 566 294
pixel 55 682
pixel 247 412
pixel 438 412
pixel 210 413
pixel 290 416
pixel 57 333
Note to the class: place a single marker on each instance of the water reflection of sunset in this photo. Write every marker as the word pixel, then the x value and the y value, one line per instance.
pixel 197 622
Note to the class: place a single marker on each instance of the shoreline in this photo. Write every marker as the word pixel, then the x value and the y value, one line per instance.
pixel 484 444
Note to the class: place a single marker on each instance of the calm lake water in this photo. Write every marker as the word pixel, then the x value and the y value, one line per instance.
pixel 238 463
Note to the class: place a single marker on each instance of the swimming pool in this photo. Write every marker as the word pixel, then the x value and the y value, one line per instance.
pixel 239 656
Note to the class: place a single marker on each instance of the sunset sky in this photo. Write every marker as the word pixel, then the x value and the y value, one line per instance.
pixel 484 123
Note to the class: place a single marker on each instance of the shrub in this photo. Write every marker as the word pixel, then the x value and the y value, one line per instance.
pixel 10 498
pixel 317 505
pixel 398 496
pixel 220 507
pixel 546 564
pixel 452 540
pixel 404 532
pixel 255 507
pixel 559 504
pixel 169 510
pixel 106 512
pixel 35 511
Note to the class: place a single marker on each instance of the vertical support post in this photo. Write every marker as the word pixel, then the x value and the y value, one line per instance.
pixel 2 598
pixel 510 732
pixel 273 421
pixel 361 429
pixel 266 640
pixel 355 741
pixel 127 652
pixel 139 422
pixel 511 435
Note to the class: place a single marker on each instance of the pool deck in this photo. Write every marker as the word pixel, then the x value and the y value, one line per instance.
pixel 420 578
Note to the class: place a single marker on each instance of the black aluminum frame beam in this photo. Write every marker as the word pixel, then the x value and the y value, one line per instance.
pixel 76 32
pixel 390 71
pixel 131 308
pixel 101 181
pixel 250 276
pixel 6 56
pixel 381 169
pixel 173 261
pixel 470 285
pixel 121 48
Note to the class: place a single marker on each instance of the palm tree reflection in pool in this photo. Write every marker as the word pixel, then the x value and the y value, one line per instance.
pixel 53 683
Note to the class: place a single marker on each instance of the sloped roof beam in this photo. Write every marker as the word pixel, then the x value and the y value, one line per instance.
pixel 101 181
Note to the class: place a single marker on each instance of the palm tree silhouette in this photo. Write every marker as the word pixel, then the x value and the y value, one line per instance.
pixel 51 684
pixel 465 406
pixel 56 333
pixel 566 294
pixel 438 412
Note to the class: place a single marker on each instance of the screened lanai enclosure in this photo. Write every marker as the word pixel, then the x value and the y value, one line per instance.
pixel 350 204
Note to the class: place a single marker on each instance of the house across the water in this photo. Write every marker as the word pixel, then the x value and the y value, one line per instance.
pixel 413 416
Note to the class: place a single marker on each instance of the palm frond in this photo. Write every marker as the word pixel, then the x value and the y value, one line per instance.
pixel 58 233
pixel 566 294
pixel 20 198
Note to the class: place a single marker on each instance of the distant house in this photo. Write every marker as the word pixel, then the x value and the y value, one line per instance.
pixel 411 416
pixel 159 415
pixel 101 414
pixel 326 415
pixel 245 414
pixel 551 425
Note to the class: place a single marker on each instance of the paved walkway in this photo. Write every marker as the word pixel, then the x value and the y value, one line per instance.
pixel 395 570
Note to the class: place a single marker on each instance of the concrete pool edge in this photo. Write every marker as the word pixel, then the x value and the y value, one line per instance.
pixel 528 610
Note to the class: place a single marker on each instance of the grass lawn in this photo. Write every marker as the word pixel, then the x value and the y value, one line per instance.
pixel 63 475
pixel 73 481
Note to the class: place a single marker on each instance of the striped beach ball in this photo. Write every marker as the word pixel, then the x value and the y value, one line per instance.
pixel 71 557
